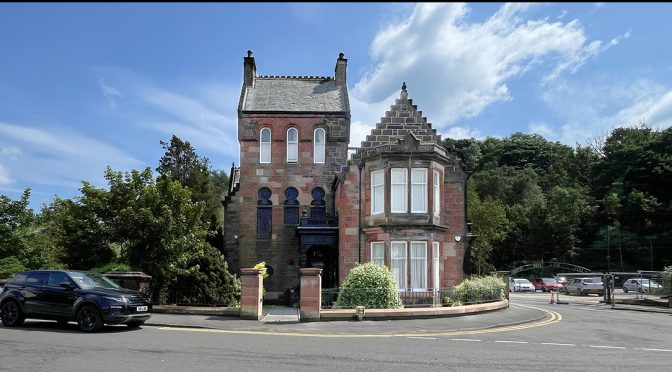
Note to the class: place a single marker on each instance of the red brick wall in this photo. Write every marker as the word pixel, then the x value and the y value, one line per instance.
pixel 281 251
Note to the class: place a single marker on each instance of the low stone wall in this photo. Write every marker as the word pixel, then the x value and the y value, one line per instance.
pixel 410 313
pixel 137 281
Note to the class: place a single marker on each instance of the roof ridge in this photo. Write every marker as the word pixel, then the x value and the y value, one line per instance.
pixel 303 77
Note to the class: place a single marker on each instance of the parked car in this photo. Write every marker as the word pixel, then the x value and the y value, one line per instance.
pixel 546 284
pixel 641 285
pixel 584 286
pixel 90 299
pixel 520 285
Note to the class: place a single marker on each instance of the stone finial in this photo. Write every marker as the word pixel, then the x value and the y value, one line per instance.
pixel 341 55
pixel 403 86
pixel 249 54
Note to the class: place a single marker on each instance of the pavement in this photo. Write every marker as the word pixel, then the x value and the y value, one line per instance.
pixel 284 320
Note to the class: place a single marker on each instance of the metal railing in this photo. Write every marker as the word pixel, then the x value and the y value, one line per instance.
pixel 414 298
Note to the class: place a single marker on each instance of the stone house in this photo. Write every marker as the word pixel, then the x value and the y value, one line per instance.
pixel 300 198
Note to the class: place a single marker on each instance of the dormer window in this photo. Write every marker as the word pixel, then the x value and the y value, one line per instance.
pixel 265 146
pixel 292 145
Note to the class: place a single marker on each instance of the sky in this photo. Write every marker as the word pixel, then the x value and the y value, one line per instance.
pixel 86 86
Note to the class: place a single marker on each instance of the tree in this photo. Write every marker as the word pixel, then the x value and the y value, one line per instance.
pixel 24 241
pixel 490 226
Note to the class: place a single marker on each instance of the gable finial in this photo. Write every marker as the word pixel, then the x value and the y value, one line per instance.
pixel 249 53
pixel 403 86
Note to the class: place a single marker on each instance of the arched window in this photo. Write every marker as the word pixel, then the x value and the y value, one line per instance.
pixel 319 140
pixel 318 209
pixel 291 206
pixel 265 145
pixel 264 213
pixel 292 145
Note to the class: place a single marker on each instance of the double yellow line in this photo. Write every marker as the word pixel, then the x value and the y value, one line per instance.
pixel 550 318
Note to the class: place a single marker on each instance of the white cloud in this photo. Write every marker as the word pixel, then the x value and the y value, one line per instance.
pixel 12 152
pixel 111 94
pixel 61 157
pixel 457 132
pixel 5 179
pixel 455 68
pixel 603 103
pixel 542 128
pixel 195 120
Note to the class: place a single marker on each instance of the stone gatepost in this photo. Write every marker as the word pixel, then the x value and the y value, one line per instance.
pixel 311 294
pixel 251 293
pixel 505 277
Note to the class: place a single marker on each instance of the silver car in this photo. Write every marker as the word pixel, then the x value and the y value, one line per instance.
pixel 584 286
pixel 641 285
pixel 521 285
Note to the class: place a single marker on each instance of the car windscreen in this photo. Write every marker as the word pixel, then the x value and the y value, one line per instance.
pixel 547 280
pixel 91 280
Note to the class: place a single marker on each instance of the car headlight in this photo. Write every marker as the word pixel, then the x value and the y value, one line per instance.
pixel 117 299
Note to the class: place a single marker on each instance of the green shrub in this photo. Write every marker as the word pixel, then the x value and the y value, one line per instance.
pixel 477 290
pixel 10 266
pixel 112 266
pixel 369 285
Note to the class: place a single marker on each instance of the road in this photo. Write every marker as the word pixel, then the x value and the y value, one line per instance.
pixel 588 337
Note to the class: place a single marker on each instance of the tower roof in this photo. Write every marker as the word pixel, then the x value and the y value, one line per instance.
pixel 295 93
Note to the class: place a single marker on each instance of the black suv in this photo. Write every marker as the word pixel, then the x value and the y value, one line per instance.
pixel 91 299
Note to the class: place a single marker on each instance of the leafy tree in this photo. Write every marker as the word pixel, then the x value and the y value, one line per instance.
pixel 490 225
pixel 24 240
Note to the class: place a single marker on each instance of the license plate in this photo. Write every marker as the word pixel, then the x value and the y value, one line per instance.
pixel 141 308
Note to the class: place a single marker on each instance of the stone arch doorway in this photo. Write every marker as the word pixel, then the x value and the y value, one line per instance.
pixel 324 257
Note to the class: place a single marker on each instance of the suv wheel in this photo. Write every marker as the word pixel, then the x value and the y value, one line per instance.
pixel 11 314
pixel 625 290
pixel 578 292
pixel 89 319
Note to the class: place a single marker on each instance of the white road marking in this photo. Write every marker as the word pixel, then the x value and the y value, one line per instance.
pixel 466 339
pixel 605 347
pixel 556 344
pixel 641 348
pixel 513 342
pixel 423 338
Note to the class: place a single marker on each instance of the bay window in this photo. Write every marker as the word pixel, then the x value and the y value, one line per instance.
pixel 377 192
pixel 418 190
pixel 398 195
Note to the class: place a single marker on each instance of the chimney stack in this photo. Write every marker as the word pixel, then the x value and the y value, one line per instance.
pixel 341 64
pixel 250 70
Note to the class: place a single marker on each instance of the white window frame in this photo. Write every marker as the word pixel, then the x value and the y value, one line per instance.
pixel 399 263
pixel 422 261
pixel 437 193
pixel 319 147
pixel 436 268
pixel 419 184
pixel 399 188
pixel 293 146
pixel 265 147
pixel 376 189
pixel 378 257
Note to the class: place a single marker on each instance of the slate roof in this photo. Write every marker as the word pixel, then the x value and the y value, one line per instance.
pixel 295 94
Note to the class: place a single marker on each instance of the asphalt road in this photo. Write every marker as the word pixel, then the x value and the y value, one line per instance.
pixel 589 337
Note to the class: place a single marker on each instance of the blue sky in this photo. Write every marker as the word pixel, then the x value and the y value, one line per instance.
pixel 83 86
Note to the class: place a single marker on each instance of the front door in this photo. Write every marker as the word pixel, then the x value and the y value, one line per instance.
pixel 324 257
